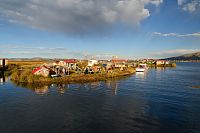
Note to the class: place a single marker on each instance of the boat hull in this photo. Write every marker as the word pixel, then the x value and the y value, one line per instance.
pixel 140 70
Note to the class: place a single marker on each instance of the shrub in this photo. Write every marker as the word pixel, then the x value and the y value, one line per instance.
pixel 15 75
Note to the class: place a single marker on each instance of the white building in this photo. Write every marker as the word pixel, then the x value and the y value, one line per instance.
pixel 92 62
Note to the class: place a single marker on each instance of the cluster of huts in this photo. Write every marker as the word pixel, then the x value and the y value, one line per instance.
pixel 68 66
pixel 155 62
pixel 57 68
pixel 65 67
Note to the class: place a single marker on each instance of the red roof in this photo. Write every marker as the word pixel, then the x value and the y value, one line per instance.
pixel 36 69
pixel 118 61
pixel 71 61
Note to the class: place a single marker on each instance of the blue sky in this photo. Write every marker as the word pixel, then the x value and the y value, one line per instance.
pixel 79 28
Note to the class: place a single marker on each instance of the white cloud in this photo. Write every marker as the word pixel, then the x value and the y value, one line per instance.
pixel 174 52
pixel 156 2
pixel 189 6
pixel 25 51
pixel 180 2
pixel 75 16
pixel 20 51
pixel 196 34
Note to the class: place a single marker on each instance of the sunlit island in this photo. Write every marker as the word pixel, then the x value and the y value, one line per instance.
pixel 72 70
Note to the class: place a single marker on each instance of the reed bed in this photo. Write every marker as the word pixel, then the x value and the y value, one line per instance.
pixel 25 76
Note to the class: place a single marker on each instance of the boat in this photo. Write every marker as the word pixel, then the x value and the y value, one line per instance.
pixel 55 75
pixel 141 68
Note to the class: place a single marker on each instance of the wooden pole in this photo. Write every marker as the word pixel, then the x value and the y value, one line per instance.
pixel 4 64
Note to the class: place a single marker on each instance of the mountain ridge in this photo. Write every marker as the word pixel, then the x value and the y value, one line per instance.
pixel 186 57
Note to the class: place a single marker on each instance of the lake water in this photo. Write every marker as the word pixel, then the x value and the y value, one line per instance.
pixel 159 101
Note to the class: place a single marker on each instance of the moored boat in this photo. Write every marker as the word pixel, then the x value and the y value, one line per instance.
pixel 141 68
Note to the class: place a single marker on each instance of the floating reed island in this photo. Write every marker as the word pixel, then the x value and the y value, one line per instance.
pixel 70 71
pixel 73 71
pixel 161 63
pixel 26 76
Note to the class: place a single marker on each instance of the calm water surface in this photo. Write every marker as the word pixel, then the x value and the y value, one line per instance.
pixel 159 101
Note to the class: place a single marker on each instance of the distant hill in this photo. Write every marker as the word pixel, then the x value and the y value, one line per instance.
pixel 186 57
pixel 30 59
pixel 35 59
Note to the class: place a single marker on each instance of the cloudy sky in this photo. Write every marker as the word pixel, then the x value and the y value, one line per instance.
pixel 99 28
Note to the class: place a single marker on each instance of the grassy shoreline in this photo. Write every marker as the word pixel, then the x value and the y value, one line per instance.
pixel 165 65
pixel 27 77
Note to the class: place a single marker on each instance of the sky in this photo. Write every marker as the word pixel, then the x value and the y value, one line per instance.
pixel 81 29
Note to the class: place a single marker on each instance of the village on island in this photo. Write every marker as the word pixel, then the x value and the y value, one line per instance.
pixel 74 70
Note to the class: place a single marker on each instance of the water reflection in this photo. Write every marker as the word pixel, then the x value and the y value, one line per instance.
pixel 160 69
pixel 91 85
pixel 113 85
pixel 39 89
pixel 42 89
pixel 3 79
pixel 141 75
pixel 61 88
pixel 94 85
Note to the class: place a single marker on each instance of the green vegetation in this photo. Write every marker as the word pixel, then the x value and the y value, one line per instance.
pixel 24 76
pixel 8 70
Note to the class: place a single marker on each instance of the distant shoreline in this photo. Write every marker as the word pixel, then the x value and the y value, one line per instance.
pixel 188 61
